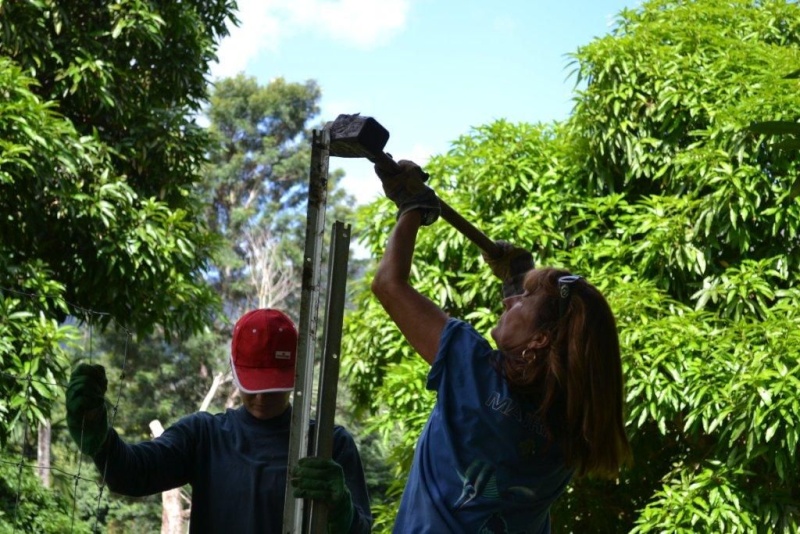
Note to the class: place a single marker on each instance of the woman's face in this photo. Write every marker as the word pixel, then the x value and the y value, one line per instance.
pixel 516 327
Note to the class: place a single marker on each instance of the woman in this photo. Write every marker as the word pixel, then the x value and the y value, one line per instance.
pixel 510 426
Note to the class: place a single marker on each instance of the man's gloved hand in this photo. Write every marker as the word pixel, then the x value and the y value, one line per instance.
pixel 408 191
pixel 323 480
pixel 87 417
pixel 510 267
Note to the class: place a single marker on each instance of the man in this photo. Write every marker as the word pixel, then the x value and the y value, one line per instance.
pixel 235 462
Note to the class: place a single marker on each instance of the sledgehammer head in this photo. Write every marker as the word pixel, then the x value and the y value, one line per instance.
pixel 355 136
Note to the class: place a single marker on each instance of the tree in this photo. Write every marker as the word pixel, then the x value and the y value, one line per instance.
pixel 100 152
pixel 99 155
pixel 256 183
pixel 656 191
pixel 120 231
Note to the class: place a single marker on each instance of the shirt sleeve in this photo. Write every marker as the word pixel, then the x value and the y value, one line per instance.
pixel 346 454
pixel 458 340
pixel 152 466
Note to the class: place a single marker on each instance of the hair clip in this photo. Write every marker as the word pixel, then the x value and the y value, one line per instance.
pixel 565 291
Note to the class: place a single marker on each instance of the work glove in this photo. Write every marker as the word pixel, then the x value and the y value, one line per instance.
pixel 408 191
pixel 322 479
pixel 510 267
pixel 87 415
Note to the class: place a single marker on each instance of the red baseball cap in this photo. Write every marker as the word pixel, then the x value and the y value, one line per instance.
pixel 264 352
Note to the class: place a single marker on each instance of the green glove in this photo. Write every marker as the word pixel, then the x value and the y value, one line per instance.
pixel 408 191
pixel 323 480
pixel 87 418
pixel 511 267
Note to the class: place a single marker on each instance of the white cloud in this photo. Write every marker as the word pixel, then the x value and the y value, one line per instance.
pixel 418 154
pixel 363 23
pixel 329 110
pixel 259 30
pixel 263 24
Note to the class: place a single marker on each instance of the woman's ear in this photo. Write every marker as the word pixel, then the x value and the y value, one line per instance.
pixel 540 340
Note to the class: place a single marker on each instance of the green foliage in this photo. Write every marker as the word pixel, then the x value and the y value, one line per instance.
pixel 657 191
pixel 99 154
pixel 33 351
pixel 26 506
pixel 103 195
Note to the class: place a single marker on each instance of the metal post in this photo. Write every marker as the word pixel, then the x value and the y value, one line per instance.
pixel 309 303
pixel 329 373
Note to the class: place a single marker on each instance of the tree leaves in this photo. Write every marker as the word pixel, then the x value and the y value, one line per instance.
pixel 99 157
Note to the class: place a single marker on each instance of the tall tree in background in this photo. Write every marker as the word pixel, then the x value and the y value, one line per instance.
pixel 100 155
pixel 254 189
pixel 656 190
pixel 256 186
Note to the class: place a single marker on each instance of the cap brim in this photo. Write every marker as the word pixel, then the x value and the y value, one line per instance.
pixel 263 380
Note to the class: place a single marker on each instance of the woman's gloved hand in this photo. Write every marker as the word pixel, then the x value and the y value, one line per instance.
pixel 510 267
pixel 408 191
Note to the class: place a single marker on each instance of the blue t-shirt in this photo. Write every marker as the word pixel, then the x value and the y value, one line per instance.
pixel 235 464
pixel 483 463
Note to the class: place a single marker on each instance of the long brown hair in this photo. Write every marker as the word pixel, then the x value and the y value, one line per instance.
pixel 576 378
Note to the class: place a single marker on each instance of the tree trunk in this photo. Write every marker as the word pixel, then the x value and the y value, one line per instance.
pixel 219 379
pixel 171 511
pixel 43 453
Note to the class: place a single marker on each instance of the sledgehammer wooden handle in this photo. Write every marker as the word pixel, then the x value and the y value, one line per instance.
pixel 469 230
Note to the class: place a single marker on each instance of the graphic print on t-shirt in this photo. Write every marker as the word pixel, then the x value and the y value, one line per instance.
pixel 477 480
pixel 480 481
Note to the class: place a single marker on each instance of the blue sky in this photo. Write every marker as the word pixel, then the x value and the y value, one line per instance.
pixel 427 70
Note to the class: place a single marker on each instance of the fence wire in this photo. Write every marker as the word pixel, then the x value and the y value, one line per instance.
pixel 16 450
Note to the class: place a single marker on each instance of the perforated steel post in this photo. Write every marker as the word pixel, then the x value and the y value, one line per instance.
pixel 329 373
pixel 307 328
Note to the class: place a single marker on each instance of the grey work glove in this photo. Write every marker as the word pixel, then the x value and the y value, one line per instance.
pixel 510 267
pixel 322 479
pixel 408 191
pixel 87 416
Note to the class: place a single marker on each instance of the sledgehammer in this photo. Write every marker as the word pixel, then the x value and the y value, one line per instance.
pixel 357 136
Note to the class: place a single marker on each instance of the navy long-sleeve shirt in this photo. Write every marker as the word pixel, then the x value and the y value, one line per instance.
pixel 236 465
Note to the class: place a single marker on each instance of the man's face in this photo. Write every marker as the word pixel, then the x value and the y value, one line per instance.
pixel 265 405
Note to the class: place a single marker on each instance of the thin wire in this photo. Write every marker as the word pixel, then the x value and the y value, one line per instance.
pixel 88 317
